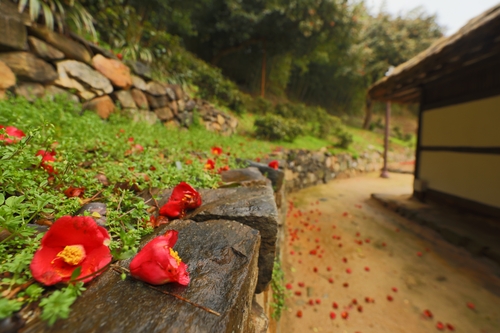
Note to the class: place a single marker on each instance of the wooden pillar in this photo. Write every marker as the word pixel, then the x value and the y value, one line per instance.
pixel 385 173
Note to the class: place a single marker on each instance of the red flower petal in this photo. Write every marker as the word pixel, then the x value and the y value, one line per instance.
pixel 299 314
pixel 274 164
pixel 47 268
pixel 289 286
pixel 333 315
pixel 344 315
pixel 216 150
pixel 440 326
pixel 209 164
pixel 12 134
pixel 428 313
pixel 335 305
pixel 389 298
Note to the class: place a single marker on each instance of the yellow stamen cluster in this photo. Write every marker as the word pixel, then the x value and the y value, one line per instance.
pixel 175 255
pixel 72 254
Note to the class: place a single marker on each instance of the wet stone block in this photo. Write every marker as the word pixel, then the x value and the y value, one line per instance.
pixel 252 206
pixel 222 263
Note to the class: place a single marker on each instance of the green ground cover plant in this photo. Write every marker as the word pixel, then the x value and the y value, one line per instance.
pixel 107 161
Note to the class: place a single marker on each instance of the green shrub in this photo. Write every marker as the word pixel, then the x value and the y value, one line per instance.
pixel 276 128
pixel 345 138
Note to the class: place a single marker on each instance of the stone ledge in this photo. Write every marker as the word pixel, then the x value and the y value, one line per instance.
pixel 222 262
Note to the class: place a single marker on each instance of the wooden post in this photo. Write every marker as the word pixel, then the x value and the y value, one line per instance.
pixel 384 173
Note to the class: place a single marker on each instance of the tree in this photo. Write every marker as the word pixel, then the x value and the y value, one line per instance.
pixel 390 41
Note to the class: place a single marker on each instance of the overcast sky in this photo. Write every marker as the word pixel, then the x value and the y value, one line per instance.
pixel 452 14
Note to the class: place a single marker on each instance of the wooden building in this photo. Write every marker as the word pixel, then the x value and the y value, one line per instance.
pixel 456 81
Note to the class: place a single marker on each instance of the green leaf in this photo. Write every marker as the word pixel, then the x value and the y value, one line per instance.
pixel 76 273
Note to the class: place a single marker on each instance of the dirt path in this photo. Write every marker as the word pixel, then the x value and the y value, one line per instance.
pixel 378 268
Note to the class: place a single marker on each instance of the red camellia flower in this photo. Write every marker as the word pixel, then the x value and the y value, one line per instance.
pixel 157 263
pixel 216 150
pixel 12 134
pixel 183 197
pixel 210 164
pixel 72 192
pixel 222 169
pixel 274 164
pixel 71 242
pixel 47 160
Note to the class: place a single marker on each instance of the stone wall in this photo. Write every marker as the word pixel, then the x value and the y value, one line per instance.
pixel 37 62
pixel 305 168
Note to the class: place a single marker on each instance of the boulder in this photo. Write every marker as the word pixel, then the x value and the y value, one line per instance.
pixel 146 116
pixel 245 177
pixel 181 105
pixel 28 67
pixel 222 264
pixel 190 105
pixel 138 82
pixel 94 47
pixel 259 212
pixel 140 99
pixel 185 118
pixel 155 88
pixel 170 93
pixel 140 69
pixel 116 71
pixel 156 102
pixel 70 48
pixel 103 106
pixel 44 50
pixel 30 90
pixel 85 74
pixel 14 34
pixel 124 97
pixel 164 113
pixel 86 95
pixel 52 91
pixel 179 93
pixel 7 77
pixel 276 176
pixel 175 109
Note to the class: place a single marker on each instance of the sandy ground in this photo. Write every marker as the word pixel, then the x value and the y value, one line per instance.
pixel 347 256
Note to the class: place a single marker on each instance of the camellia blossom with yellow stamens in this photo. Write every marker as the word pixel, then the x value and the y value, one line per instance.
pixel 183 197
pixel 157 263
pixel 71 242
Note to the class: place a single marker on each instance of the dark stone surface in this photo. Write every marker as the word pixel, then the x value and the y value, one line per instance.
pixel 247 177
pixel 185 118
pixel 14 34
pixel 95 207
pixel 71 49
pixel 221 256
pixel 276 176
pixel 252 206
pixel 156 102
pixel 140 69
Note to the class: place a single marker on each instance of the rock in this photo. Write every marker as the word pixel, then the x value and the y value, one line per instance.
pixel 222 264
pixel 7 77
pixel 27 67
pixel 259 319
pixel 140 99
pixel 245 177
pixel 86 95
pixel 44 50
pixel 97 211
pixel 103 106
pixel 140 69
pixel 221 120
pixel 164 113
pixel 14 34
pixel 276 176
pixel 29 90
pixel 83 73
pixel 52 91
pixel 96 49
pixel 185 118
pixel 146 116
pixel 259 212
pixel 124 97
pixel 190 105
pixel 114 70
pixel 70 48
pixel 138 83
pixel 175 109
pixel 181 105
pixel 155 88
pixel 156 102
pixel 179 93
pixel 170 93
